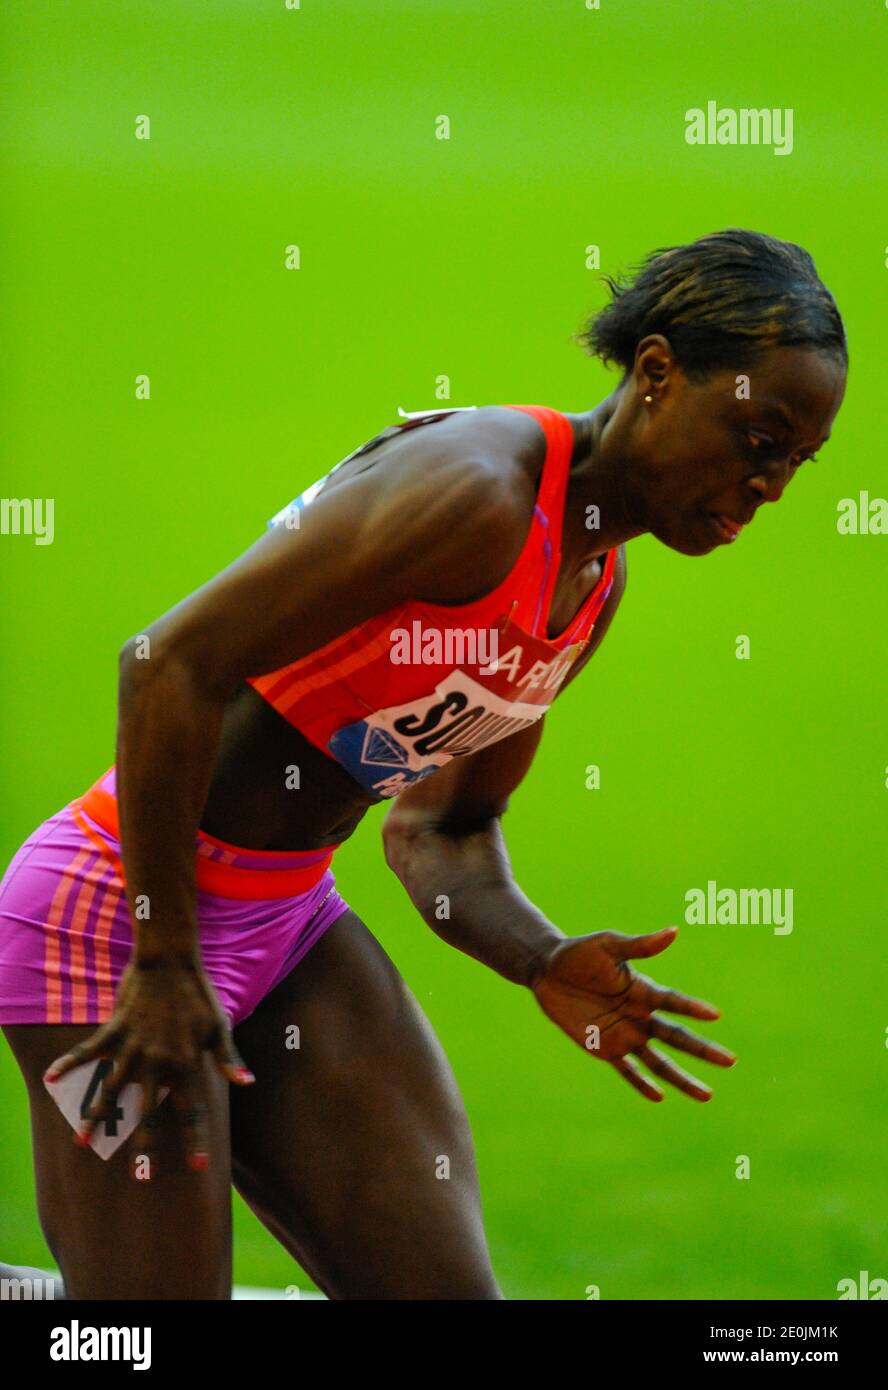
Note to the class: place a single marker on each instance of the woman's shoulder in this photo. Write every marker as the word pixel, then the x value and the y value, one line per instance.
pixel 490 457
pixel 500 432
pixel 461 492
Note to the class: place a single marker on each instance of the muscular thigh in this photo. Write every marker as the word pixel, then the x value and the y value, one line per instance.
pixel 353 1146
pixel 113 1236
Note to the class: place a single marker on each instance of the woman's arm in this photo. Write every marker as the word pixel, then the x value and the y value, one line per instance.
pixel 443 837
pixel 444 840
pixel 442 528
pixel 451 857
pixel 374 542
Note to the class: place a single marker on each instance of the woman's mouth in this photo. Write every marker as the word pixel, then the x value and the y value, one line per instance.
pixel 728 529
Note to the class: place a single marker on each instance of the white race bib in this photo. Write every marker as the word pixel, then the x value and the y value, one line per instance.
pixel 80 1089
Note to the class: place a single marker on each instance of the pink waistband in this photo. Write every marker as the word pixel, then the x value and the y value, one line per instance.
pixel 229 871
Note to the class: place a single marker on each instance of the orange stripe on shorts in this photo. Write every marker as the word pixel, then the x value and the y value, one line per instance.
pixel 77 973
pixel 104 920
pixel 52 952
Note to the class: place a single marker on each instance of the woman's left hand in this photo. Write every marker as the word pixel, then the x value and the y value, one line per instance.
pixel 588 988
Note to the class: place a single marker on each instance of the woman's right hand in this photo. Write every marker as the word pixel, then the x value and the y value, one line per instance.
pixel 166 1016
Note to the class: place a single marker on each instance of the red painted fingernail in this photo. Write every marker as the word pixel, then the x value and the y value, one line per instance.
pixel 83 1137
pixel 244 1075
pixel 50 1075
pixel 200 1162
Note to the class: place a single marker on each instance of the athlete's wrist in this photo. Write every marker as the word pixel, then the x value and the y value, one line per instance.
pixel 542 954
pixel 153 950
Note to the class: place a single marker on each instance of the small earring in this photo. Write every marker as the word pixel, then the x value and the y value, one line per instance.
pixel 648 399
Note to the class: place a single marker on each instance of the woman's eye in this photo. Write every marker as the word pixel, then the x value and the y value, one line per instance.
pixel 759 441
pixel 764 443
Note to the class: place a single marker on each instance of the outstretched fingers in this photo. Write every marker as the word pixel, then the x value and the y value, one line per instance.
pixel 627 947
pixel 190 1103
pixel 654 996
pixel 229 1061
pixel 676 1076
pixel 631 1073
pixel 672 1001
pixel 143 1141
pixel 686 1041
pixel 101 1044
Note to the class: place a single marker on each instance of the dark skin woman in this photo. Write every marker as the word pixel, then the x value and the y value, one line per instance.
pixel 332 1148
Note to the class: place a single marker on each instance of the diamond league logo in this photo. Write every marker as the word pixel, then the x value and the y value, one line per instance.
pixel 382 749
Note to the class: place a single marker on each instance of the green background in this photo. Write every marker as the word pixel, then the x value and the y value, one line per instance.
pixel 466 257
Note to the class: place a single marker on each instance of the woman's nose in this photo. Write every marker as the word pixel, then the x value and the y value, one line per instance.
pixel 768 489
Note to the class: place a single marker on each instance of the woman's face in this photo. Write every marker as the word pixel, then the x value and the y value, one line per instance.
pixel 705 456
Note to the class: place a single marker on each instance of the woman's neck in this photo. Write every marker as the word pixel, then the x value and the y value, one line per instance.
pixel 597 512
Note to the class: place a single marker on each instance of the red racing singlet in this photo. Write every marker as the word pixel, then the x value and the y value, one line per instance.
pixel 399 695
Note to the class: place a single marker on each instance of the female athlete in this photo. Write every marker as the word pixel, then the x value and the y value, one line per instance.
pixel 398 632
